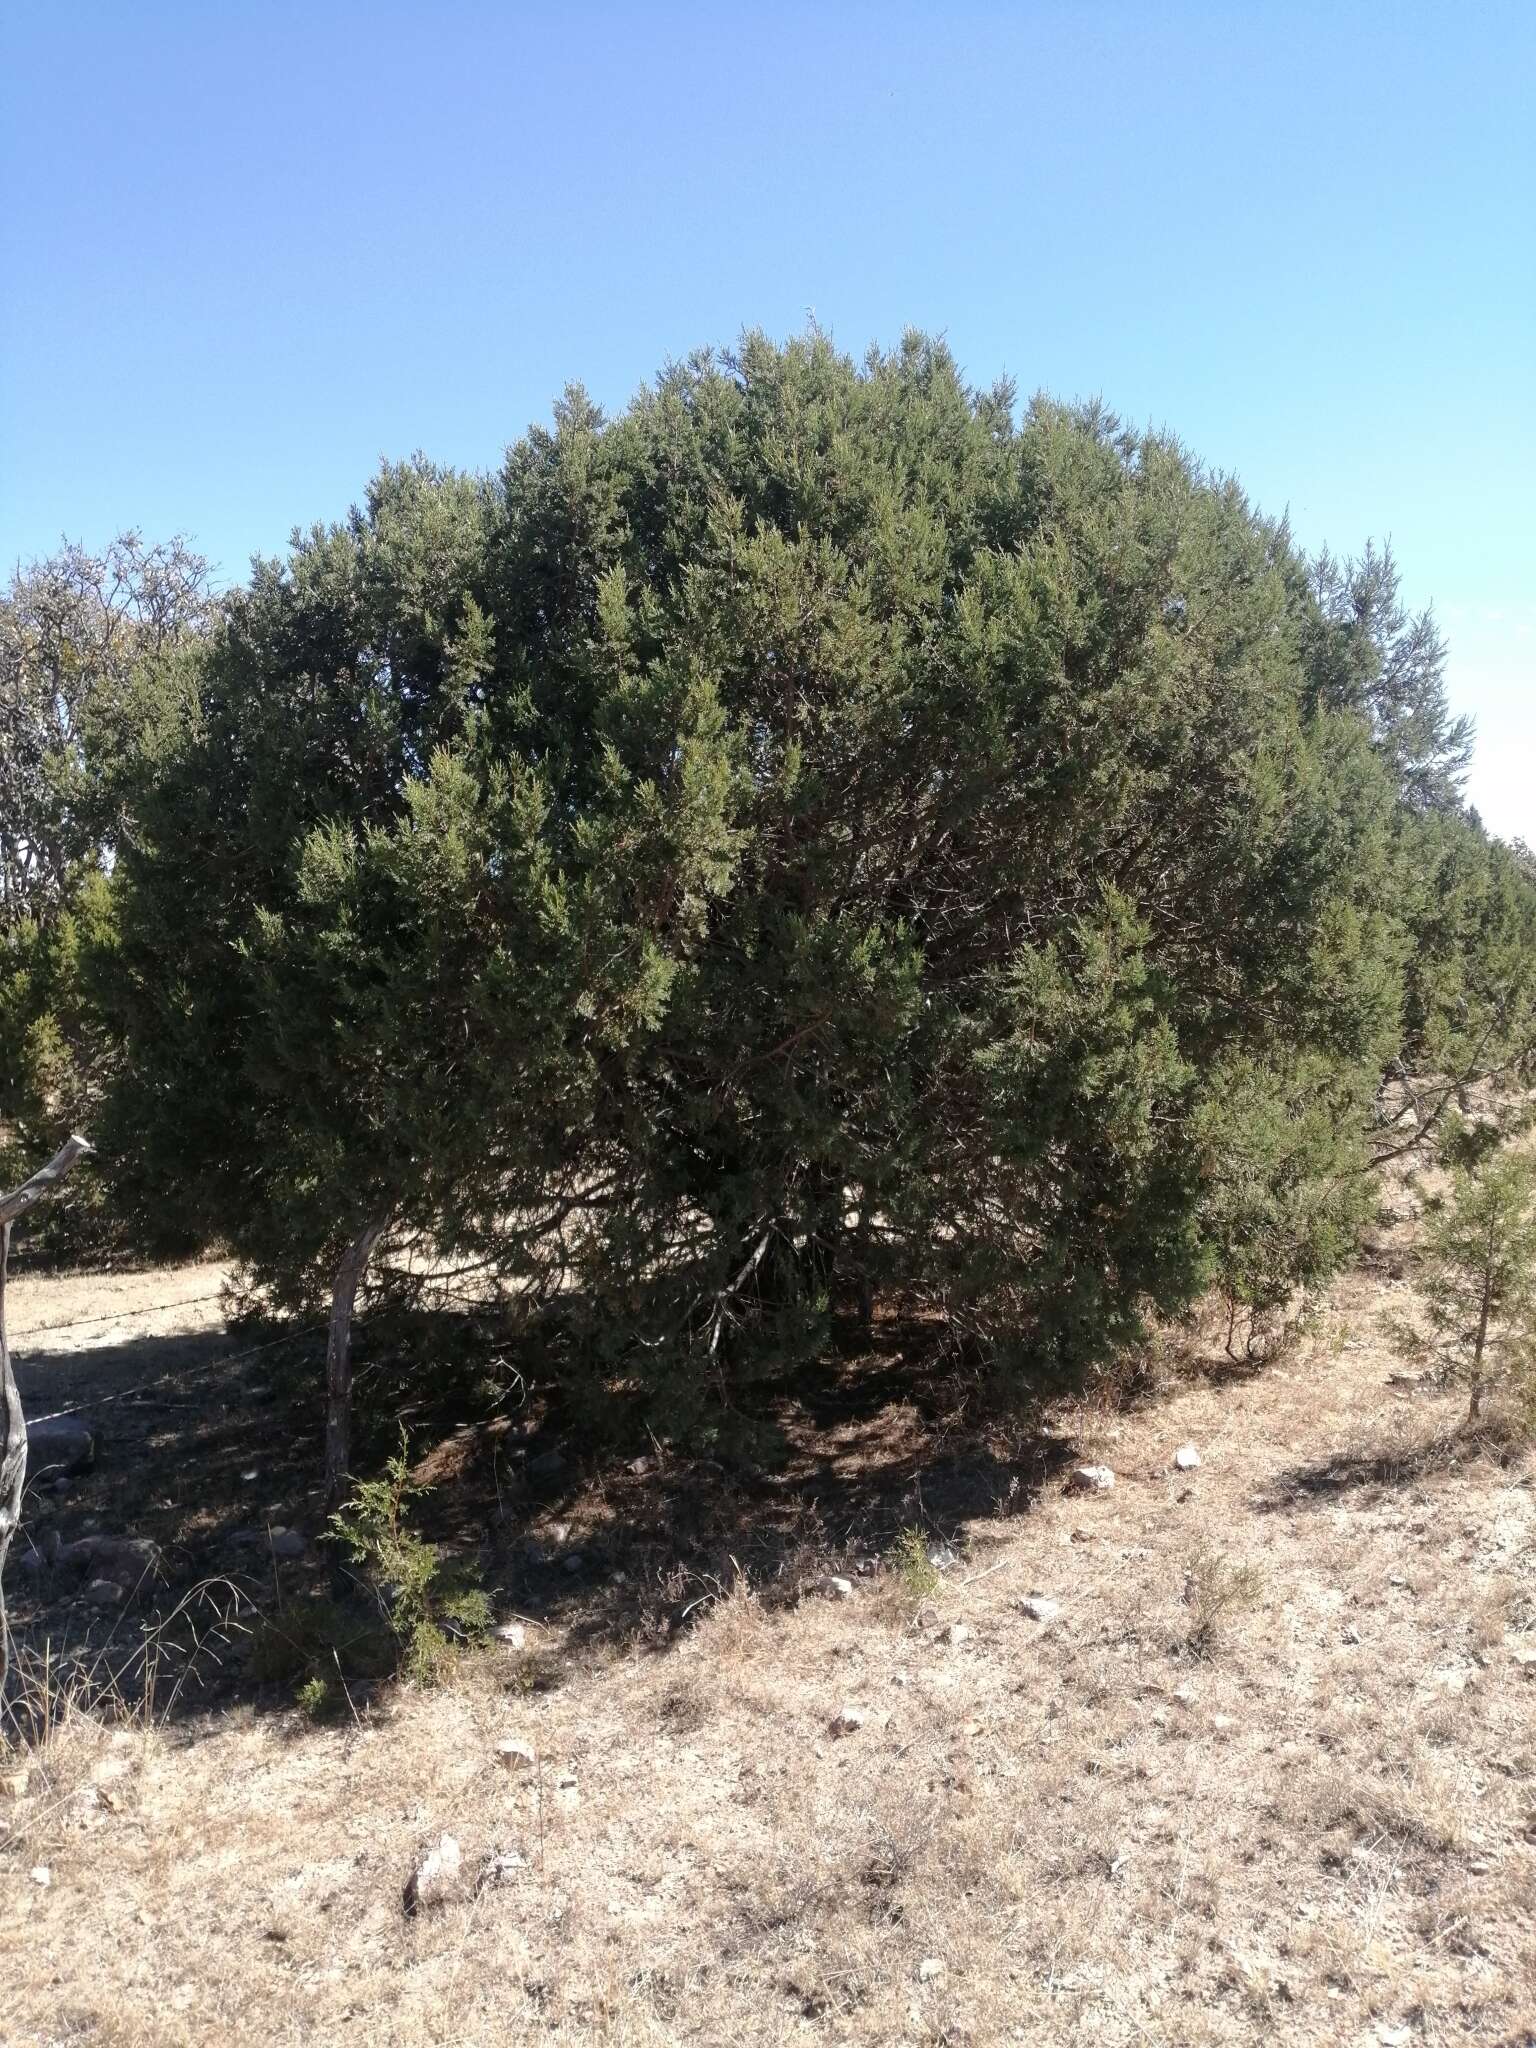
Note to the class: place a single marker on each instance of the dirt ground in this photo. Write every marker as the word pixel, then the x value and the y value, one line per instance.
pixel 1269 1774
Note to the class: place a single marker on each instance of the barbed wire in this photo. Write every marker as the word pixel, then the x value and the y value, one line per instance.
pixel 178 1377
pixel 117 1315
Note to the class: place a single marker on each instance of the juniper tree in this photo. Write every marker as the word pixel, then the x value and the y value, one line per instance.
pixel 1477 1276
pixel 83 639
pixel 819 833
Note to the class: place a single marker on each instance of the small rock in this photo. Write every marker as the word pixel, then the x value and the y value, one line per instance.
pixel 928 1969
pixel 1091 1479
pixel 41 1874
pixel 1524 1654
pixel 954 1633
pixel 247 1477
pixel 515 1756
pixel 941 1557
pixel 105 1593
pixel 14 1784
pixel 1454 1680
pixel 574 1562
pixel 1394 2037
pixel 435 1876
pixel 500 1867
pixel 1186 1459
pixel 62 1447
pixel 128 1559
pixel 642 1466
pixel 1223 1723
pixel 848 1720
pixel 837 1589
pixel 286 1543
pixel 547 1465
pixel 512 1633
pixel 1038 1608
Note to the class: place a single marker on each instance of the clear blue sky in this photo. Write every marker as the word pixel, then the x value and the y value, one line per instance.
pixel 247 250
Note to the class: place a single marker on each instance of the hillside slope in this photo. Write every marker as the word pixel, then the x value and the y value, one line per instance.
pixel 1270 1773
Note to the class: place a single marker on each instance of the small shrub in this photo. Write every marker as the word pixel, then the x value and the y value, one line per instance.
pixel 1216 1590
pixel 315 1698
pixel 1478 1282
pixel 433 1607
pixel 916 1570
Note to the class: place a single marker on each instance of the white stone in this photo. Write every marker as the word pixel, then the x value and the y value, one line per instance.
pixel 512 1633
pixel 929 1968
pixel 515 1756
pixel 104 1593
pixel 955 1633
pixel 848 1720
pixel 837 1589
pixel 500 1867
pixel 1038 1608
pixel 436 1874
pixel 1524 1654
pixel 1186 1459
pixel 42 1875
pixel 1091 1479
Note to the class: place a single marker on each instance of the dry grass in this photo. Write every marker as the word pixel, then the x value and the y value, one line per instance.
pixel 1271 1775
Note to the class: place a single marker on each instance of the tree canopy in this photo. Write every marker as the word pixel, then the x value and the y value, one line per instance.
pixel 824 835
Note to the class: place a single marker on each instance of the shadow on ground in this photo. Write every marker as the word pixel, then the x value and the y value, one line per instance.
pixel 1394 1464
pixel 209 1451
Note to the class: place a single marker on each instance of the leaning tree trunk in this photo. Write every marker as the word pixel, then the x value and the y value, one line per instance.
pixel 338 1363
pixel 13 1458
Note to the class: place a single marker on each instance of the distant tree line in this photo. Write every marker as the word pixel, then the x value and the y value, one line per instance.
pixel 824 837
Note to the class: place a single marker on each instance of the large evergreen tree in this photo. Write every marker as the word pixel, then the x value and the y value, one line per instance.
pixel 818 835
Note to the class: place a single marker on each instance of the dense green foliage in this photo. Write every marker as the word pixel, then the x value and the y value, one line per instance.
pixel 1478 1278
pixel 818 837
pixel 83 643
pixel 433 1604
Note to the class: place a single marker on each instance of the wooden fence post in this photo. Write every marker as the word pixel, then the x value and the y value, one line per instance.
pixel 13 1459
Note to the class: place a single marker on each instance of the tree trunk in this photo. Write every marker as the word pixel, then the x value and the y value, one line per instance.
pixel 1475 1408
pixel 13 1457
pixel 338 1364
